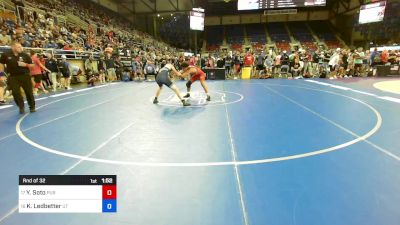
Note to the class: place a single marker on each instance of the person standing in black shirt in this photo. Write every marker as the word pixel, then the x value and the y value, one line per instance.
pixel 110 65
pixel 18 64
pixel 52 65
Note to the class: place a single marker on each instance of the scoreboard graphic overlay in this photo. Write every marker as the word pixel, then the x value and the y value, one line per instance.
pixel 67 193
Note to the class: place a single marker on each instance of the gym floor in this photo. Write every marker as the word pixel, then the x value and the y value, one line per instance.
pixel 262 152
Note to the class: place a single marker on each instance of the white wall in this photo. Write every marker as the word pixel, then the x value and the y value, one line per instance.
pixel 212 20
pixel 277 18
pixel 250 18
pixel 230 20
pixel 319 15
pixel 300 16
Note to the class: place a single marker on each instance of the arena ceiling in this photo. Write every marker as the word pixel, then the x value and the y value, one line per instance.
pixel 221 7
pixel 156 6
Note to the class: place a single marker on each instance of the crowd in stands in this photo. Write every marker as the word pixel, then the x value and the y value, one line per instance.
pixel 39 25
pixel 332 63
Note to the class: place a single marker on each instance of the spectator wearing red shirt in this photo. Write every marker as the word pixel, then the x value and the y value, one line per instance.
pixel 67 47
pixel 249 61
pixel 45 76
pixel 193 61
pixel 384 57
pixel 36 73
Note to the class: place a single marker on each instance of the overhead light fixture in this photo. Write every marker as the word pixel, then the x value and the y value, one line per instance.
pixel 158 15
pixel 172 14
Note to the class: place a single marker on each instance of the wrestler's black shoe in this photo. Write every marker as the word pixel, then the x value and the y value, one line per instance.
pixel 155 101
pixel 21 110
pixel 187 95
pixel 185 103
pixel 208 98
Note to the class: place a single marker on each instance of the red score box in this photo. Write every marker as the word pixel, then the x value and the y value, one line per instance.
pixel 109 192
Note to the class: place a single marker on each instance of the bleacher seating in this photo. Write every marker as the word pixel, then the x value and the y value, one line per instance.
pixel 237 47
pixel 256 34
pixel 215 37
pixel 300 32
pixel 309 45
pixel 234 34
pixel 277 32
pixel 324 32
pixel 279 35
pixel 283 46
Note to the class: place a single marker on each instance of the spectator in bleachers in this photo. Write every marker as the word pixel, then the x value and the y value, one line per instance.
pixel 5 39
pixel 67 47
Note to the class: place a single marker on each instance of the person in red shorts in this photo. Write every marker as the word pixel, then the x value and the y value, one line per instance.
pixel 196 74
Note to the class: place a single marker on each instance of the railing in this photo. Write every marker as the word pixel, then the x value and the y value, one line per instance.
pixel 70 54
pixel 8 3
pixel 7 6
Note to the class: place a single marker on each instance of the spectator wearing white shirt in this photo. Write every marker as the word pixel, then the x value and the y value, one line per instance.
pixel 334 63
